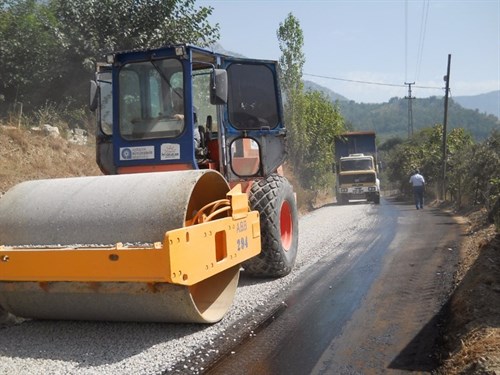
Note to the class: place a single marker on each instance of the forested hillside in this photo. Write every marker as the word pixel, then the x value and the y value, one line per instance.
pixel 391 119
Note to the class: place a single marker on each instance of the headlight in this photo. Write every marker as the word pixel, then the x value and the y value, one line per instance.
pixel 343 190
pixel 371 188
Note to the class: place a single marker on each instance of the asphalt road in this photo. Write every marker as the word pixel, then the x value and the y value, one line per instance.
pixel 376 309
pixel 365 297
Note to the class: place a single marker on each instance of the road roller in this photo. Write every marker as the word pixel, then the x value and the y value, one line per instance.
pixel 191 144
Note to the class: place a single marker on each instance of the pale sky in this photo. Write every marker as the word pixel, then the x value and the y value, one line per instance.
pixel 380 41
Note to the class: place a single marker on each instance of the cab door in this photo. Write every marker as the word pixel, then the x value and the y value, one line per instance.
pixel 254 133
pixel 102 103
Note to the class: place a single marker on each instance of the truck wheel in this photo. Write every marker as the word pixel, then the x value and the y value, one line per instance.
pixel 341 200
pixel 275 201
pixel 3 315
pixel 376 200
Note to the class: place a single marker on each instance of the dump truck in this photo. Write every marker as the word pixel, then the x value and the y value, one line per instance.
pixel 356 167
pixel 191 144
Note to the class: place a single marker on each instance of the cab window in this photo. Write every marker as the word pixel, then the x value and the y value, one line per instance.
pixel 105 109
pixel 151 100
pixel 252 100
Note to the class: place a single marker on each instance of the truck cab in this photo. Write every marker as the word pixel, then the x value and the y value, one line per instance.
pixel 356 168
pixel 357 179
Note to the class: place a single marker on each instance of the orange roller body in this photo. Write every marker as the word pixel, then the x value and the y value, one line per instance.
pixel 133 247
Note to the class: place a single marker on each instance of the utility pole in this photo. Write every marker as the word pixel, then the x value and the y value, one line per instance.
pixel 410 111
pixel 447 89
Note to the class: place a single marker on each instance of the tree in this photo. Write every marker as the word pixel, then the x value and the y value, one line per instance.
pixel 30 52
pixel 423 151
pixel 473 170
pixel 312 119
pixel 459 145
pixel 94 28
pixel 291 41
pixel 48 48
pixel 483 172
pixel 292 60
pixel 324 122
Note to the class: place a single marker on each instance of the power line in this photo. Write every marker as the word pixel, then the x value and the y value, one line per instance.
pixel 370 82
pixel 353 80
pixel 406 39
pixel 423 29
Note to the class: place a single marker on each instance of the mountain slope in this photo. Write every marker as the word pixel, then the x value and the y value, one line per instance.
pixel 391 119
pixel 488 103
pixel 332 95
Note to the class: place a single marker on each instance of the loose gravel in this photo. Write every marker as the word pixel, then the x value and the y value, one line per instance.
pixel 71 347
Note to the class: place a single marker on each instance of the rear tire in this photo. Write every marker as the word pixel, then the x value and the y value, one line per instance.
pixel 275 201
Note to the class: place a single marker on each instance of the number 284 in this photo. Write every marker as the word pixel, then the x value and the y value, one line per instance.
pixel 242 243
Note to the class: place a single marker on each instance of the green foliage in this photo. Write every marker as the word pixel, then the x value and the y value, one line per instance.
pixel 459 142
pixel 93 28
pixel 30 48
pixel 48 48
pixel 390 143
pixel 312 120
pixel 472 170
pixel 291 62
pixel 323 122
pixel 484 171
pixel 391 119
pixel 483 176
pixel 494 209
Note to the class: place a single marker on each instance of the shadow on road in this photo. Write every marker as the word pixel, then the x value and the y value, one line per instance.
pixel 475 301
pixel 423 352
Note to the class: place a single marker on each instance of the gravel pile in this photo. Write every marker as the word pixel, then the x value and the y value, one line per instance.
pixel 70 347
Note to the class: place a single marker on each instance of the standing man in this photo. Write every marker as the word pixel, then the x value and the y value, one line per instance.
pixel 418 183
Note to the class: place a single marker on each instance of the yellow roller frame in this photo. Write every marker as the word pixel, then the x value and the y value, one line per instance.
pixel 187 255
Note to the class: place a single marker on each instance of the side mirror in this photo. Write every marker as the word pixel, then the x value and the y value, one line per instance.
pixel 245 157
pixel 94 89
pixel 218 87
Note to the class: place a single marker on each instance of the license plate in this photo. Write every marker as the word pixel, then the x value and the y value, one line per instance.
pixel 358 196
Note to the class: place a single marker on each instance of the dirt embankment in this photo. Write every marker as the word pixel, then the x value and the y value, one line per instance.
pixel 471 337
pixel 30 155
pixel 471 340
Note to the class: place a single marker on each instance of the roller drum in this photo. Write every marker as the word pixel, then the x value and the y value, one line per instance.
pixel 104 210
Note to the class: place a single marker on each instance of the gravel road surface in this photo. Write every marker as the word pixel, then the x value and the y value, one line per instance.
pixel 376 309
pixel 70 347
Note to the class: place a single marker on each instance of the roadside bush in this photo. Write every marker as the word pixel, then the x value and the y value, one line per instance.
pixel 472 169
pixel 494 203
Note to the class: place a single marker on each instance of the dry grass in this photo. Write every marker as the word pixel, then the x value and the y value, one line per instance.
pixel 307 200
pixel 478 352
pixel 472 335
pixel 27 155
pixel 17 138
